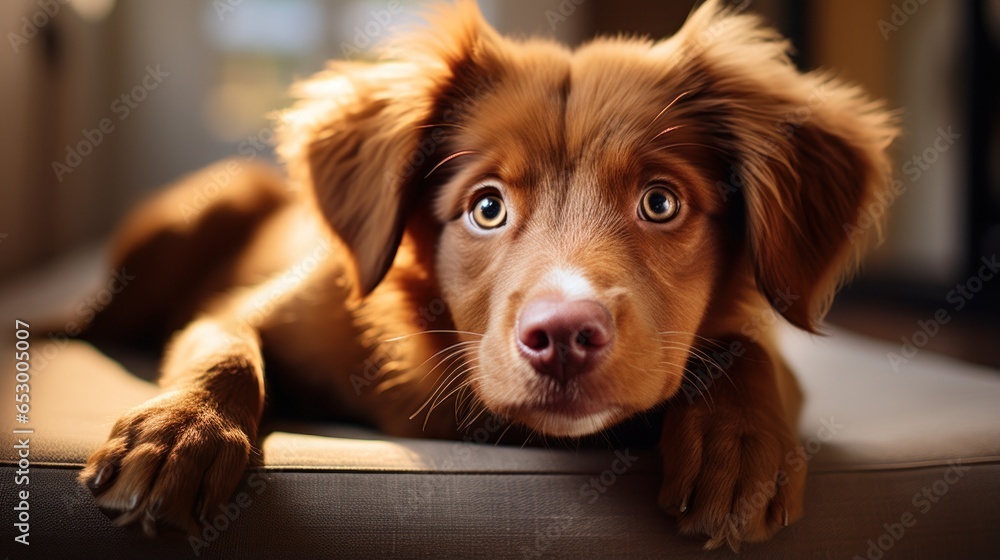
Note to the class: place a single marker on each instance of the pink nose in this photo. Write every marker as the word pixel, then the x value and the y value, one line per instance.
pixel 564 339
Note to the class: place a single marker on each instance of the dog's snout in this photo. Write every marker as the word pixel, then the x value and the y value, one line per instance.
pixel 564 339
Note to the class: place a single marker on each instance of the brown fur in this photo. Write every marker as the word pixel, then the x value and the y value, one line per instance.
pixel 400 306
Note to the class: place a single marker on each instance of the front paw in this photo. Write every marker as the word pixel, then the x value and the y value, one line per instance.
pixel 170 461
pixel 733 475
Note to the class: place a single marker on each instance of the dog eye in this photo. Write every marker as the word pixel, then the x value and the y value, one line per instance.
pixel 489 211
pixel 659 204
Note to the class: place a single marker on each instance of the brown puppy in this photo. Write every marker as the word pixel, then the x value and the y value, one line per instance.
pixel 556 237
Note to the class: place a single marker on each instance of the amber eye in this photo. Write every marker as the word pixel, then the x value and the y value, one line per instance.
pixel 659 204
pixel 489 212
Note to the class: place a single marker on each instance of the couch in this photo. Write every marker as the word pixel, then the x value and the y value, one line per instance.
pixel 902 464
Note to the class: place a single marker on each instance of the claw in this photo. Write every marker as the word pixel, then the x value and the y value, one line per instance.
pixel 677 510
pixel 102 477
pixel 153 510
pixel 784 517
pixel 201 511
pixel 149 525
pixel 127 518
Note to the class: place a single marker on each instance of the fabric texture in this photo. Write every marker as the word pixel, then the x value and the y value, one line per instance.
pixel 902 464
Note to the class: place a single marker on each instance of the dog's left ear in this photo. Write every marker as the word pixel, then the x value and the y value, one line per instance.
pixel 360 139
pixel 809 156
pixel 353 142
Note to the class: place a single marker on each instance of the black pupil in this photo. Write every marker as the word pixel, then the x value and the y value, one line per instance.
pixel 658 203
pixel 490 208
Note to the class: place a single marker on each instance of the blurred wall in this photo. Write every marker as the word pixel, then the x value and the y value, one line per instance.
pixel 913 58
pixel 55 78
pixel 220 67
pixel 176 85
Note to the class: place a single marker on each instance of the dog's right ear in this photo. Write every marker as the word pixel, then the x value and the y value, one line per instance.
pixel 361 137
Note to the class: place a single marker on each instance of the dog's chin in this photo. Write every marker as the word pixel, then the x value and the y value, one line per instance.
pixel 559 424
pixel 564 420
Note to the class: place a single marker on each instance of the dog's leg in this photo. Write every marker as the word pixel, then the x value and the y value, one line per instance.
pixel 179 456
pixel 732 470
pixel 179 257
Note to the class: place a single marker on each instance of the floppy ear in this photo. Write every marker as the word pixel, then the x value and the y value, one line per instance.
pixel 361 140
pixel 809 155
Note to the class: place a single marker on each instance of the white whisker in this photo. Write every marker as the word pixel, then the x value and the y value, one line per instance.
pixel 436 331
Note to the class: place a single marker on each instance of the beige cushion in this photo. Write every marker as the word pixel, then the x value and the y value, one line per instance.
pixel 879 439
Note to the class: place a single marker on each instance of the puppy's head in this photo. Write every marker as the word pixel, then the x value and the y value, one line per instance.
pixel 598 212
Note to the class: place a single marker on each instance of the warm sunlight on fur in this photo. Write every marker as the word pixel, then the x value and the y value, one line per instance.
pixel 484 226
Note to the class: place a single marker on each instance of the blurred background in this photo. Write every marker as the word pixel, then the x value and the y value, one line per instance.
pixel 104 101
